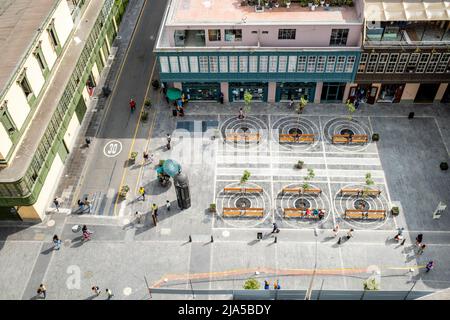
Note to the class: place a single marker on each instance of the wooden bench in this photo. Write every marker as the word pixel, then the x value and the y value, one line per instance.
pixel 360 192
pixel 346 138
pixel 359 138
pixel 365 214
pixel 301 191
pixel 371 192
pixel 340 138
pixel 350 191
pixel 243 190
pixel 242 137
pixel 299 213
pixel 247 212
pixel 283 137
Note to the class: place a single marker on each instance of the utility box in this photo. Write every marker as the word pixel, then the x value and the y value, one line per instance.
pixel 181 183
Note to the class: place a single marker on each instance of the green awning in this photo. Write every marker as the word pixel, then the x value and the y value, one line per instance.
pixel 173 93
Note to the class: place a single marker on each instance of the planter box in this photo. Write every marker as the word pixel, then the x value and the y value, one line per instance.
pixel 395 211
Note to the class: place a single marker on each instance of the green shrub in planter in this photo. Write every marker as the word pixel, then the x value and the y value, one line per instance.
pixel 212 207
pixel 395 211
pixel 144 116
pixel 123 191
pixel 148 103
pixel 299 164
pixel 155 84
pixel 444 166
pixel 133 155
pixel 375 137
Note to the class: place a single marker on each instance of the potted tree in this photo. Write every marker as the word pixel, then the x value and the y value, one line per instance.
pixel 308 177
pixel 369 182
pixel 148 103
pixel 123 191
pixel 371 284
pixel 251 284
pixel 395 211
pixel 299 164
pixel 144 116
pixel 444 166
pixel 155 84
pixel 212 208
pixel 245 177
pixel 302 104
pixel 375 137
pixel 350 108
pixel 133 157
pixel 247 101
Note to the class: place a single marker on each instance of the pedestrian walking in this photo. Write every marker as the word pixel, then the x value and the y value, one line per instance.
pixel 42 290
pixel 132 105
pixel 221 98
pixel 266 285
pixel 276 285
pixel 88 204
pixel 155 209
pixel 96 290
pixel 336 230
pixel 241 114
pixel 86 233
pixel 291 104
pixel 168 205
pixel 169 139
pixel 421 249
pixel 321 214
pixel 429 266
pixel 80 204
pixel 109 293
pixel 56 203
pixel 150 159
pixel 88 141
pixel 275 228
pixel 350 234
pixel 56 242
pixel 138 215
pixel 419 239
pixel 145 156
pixel 142 193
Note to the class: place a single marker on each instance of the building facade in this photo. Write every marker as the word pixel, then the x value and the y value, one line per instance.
pixel 405 53
pixel 46 81
pixel 210 47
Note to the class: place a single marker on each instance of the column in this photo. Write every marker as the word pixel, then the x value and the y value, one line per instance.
pixel 319 86
pixel 347 91
pixel 440 92
pixel 410 91
pixel 224 90
pixel 271 94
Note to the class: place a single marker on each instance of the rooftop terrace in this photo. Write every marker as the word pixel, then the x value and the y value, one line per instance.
pixel 217 12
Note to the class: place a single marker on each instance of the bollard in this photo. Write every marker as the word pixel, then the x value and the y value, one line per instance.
pixel 275 240
pixel 212 239
pixel 190 238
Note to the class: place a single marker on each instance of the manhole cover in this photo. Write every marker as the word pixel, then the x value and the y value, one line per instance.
pixel 347 131
pixel 243 203
pixel 295 131
pixel 361 205
pixel 302 203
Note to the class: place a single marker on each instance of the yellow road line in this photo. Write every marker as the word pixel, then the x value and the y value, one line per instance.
pixel 135 134
pixel 77 192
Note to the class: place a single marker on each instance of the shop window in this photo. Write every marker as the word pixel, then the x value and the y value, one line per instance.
pixel 213 64
pixel 331 63
pixel 301 64
pixel 286 34
pixel 25 85
pixel 393 58
pixel 340 64
pixel 164 62
pixel 203 62
pixel 321 64
pixel 282 63
pixel 174 68
pixel 184 64
pixel 292 64
pixel 350 63
pixel 263 63
pixel 253 64
pixel 223 64
pixel 362 62
pixel 339 37
pixel 214 35
pixel 273 63
pixel 401 65
pixel 233 35
pixel 382 61
pixel 193 64
pixel 233 63
pixel 243 64
pixel 391 93
pixel 311 64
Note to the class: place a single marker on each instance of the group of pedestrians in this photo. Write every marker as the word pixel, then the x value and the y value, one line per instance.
pixel 84 205
pixel 276 285
pixel 42 291
pixel 154 210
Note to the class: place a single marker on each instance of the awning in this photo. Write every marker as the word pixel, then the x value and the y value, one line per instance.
pixel 407 10
pixel 173 93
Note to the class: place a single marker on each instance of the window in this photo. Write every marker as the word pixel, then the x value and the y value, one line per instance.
pixel 265 32
pixel 214 35
pixel 422 62
pixel 331 62
pixel 350 63
pixel 292 64
pixel 184 64
pixel 243 64
pixel 41 59
pixel 412 63
pixel 233 35
pixel 321 64
pixel 7 121
pixel 400 68
pixel 442 66
pixel 52 35
pixel 233 63
pixel 203 62
pixel 340 64
pixel 263 63
pixel 254 32
pixel 311 64
pixel 286 34
pixel 253 64
pixel 273 63
pixel 25 85
pixel 174 64
pixel 433 62
pixel 164 62
pixel 382 62
pixel 392 63
pixel 213 64
pixel 193 64
pixel 362 62
pixel 338 37
pixel 223 64
pixel 282 64
pixel 373 59
pixel 301 64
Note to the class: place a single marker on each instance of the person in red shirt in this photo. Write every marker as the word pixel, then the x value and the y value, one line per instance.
pixel 132 105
